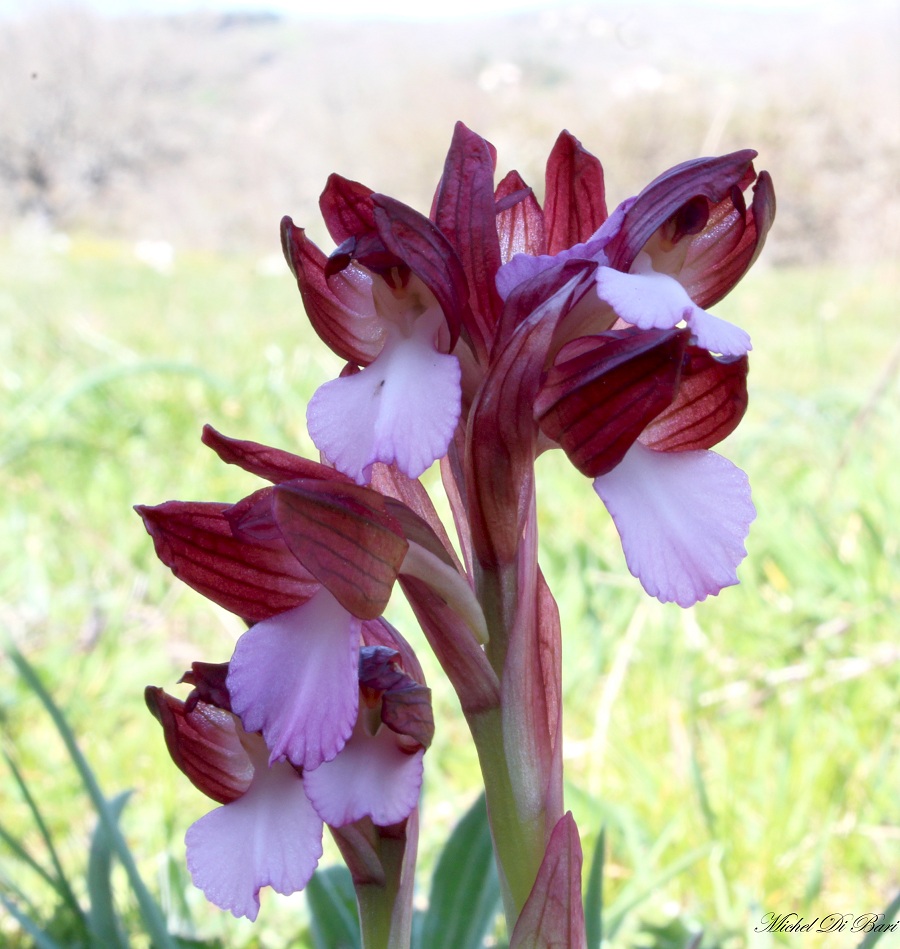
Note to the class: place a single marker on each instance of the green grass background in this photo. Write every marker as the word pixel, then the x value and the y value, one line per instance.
pixel 743 755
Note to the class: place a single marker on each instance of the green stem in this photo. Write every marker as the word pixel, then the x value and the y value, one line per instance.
pixel 522 774
pixel 497 594
pixel 518 844
pixel 385 908
pixel 375 915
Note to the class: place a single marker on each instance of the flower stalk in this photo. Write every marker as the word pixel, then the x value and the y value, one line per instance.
pixel 384 898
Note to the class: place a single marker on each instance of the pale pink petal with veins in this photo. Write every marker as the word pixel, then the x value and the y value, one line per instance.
pixel 294 679
pixel 682 517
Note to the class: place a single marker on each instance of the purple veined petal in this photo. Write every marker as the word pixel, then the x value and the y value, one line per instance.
pixel 518 269
pixel 522 267
pixel 651 300
pixel 373 776
pixel 294 679
pixel 270 836
pixel 682 517
pixel 401 409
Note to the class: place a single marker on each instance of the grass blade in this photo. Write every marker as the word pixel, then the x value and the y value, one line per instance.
pixel 104 923
pixel 41 939
pixel 593 897
pixel 60 883
pixel 151 914
pixel 465 891
pixel 619 912
pixel 17 894
pixel 871 938
pixel 27 859
pixel 332 905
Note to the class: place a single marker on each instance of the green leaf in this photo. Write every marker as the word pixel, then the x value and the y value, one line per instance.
pixel 26 857
pixel 627 902
pixel 890 913
pixel 332 905
pixel 183 942
pixel 465 891
pixel 103 921
pixel 593 897
pixel 41 939
pixel 17 895
pixel 154 923
pixel 59 882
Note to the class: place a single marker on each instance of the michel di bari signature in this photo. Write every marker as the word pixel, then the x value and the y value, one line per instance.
pixel 832 923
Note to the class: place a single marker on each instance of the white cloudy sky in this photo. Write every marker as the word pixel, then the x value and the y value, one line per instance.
pixel 357 9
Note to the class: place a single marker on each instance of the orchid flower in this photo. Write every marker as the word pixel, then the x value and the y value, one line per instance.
pixel 388 300
pixel 638 412
pixel 268 831
pixel 689 232
pixel 307 562
pixel 265 833
pixel 682 511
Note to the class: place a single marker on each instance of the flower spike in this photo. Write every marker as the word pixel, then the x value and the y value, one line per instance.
pixel 479 336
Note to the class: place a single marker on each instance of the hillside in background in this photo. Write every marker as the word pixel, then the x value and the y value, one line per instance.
pixel 203 131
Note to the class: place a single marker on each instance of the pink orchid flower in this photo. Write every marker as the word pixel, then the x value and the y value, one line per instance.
pixel 388 300
pixel 682 511
pixel 678 246
pixel 268 829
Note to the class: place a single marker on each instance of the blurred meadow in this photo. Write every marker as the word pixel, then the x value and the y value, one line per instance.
pixel 743 756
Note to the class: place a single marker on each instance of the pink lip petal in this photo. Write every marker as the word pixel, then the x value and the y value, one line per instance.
pixel 373 776
pixel 651 300
pixel 294 679
pixel 271 836
pixel 401 409
pixel 682 518
pixel 717 335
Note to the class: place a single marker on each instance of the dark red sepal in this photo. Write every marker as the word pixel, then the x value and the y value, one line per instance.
pixel 426 251
pixel 520 221
pixel 344 535
pixel 733 239
pixel 273 464
pixel 380 669
pixel 603 391
pixel 464 210
pixel 346 207
pixel 393 483
pixel 418 531
pixel 209 686
pixel 405 703
pixel 204 744
pixel 379 632
pixel 710 178
pixel 339 307
pixel 370 252
pixel 711 401
pixel 575 196
pixel 255 581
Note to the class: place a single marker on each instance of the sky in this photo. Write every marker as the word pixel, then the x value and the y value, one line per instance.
pixel 356 9
pixel 344 9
